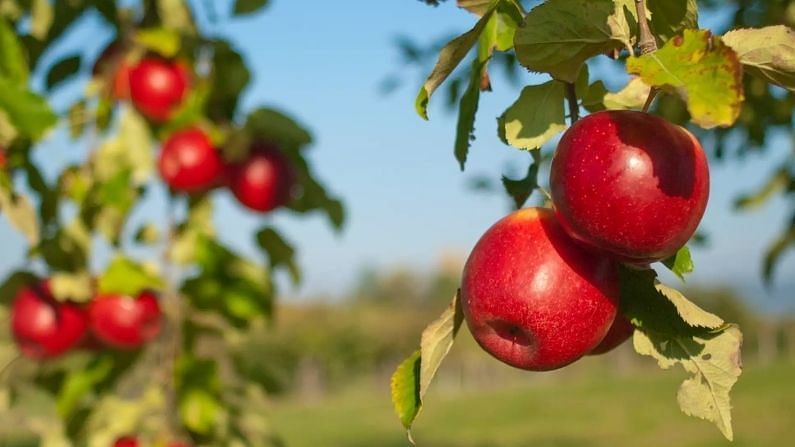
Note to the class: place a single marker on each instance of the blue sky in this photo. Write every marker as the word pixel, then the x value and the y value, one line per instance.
pixel 407 201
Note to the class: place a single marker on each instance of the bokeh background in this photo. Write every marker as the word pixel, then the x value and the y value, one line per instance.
pixel 412 218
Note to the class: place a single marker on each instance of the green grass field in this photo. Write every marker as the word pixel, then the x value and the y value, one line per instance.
pixel 581 410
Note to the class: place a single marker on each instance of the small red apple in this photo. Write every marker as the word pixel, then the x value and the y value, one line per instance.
pixel 630 183
pixel 127 441
pixel 125 322
pixel 112 62
pixel 619 332
pixel 189 162
pixel 3 159
pixel 157 87
pixel 43 327
pixel 264 181
pixel 533 297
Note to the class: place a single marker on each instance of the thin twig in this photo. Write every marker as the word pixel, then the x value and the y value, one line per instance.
pixel 647 43
pixel 652 94
pixel 571 95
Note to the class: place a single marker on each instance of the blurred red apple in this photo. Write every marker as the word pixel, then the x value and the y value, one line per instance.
pixel 188 161
pixel 630 183
pixel 263 181
pixel 125 322
pixel 127 441
pixel 157 87
pixel 43 327
pixel 533 297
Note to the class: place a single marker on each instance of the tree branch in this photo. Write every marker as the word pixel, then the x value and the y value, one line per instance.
pixel 646 42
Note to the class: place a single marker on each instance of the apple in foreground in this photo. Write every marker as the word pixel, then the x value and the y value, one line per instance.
pixel 43 327
pixel 264 181
pixel 157 87
pixel 630 183
pixel 123 321
pixel 533 297
pixel 188 161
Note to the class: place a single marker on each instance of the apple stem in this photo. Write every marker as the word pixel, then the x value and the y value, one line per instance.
pixel 647 44
pixel 571 95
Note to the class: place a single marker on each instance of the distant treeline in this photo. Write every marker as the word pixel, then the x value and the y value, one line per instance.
pixel 315 347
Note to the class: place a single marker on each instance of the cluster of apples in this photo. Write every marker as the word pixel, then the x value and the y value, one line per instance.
pixel 188 161
pixel 540 289
pixel 45 328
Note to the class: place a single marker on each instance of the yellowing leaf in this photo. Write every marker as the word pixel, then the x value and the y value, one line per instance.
pixel 702 70
pixel 535 117
pixel 632 96
pixel 558 36
pixel 72 286
pixel 21 214
pixel 712 359
pixel 768 53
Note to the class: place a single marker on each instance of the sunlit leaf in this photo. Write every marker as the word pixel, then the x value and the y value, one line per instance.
pixel 768 53
pixel 536 117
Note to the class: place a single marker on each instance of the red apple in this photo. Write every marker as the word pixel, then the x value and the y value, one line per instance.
pixel 533 297
pixel 43 327
pixel 630 183
pixel 157 87
pixel 127 441
pixel 264 181
pixel 125 322
pixel 619 332
pixel 189 162
pixel 3 159
pixel 112 62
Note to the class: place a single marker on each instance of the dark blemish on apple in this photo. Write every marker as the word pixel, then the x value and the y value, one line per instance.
pixel 511 332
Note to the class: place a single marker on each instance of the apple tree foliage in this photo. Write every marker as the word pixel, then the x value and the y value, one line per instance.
pixel 736 86
pixel 186 384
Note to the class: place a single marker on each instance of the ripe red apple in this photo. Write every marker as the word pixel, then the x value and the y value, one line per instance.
pixel 630 183
pixel 189 162
pixel 533 297
pixel 112 62
pixel 125 322
pixel 264 181
pixel 619 332
pixel 43 327
pixel 127 441
pixel 3 159
pixel 157 87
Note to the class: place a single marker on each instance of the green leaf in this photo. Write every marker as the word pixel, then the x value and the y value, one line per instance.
pixel 450 56
pixel 557 37
pixel 768 53
pixel 28 112
pixel 632 96
pixel 79 382
pixel 13 65
pixel 466 112
pixel 536 117
pixel 76 286
pixel 230 76
pixel 175 15
pixel 775 251
pixel 681 263
pixel 62 70
pixel 778 182
pixel 520 190
pixel 147 234
pixel 77 116
pixel 413 377
pixel 163 41
pixel 670 17
pixel 405 387
pixel 477 7
pixel 280 253
pixel 243 7
pixel 41 18
pixel 702 70
pixel 21 214
pixel 199 224
pixel 275 126
pixel 673 330
pixel 199 411
pixel 125 276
